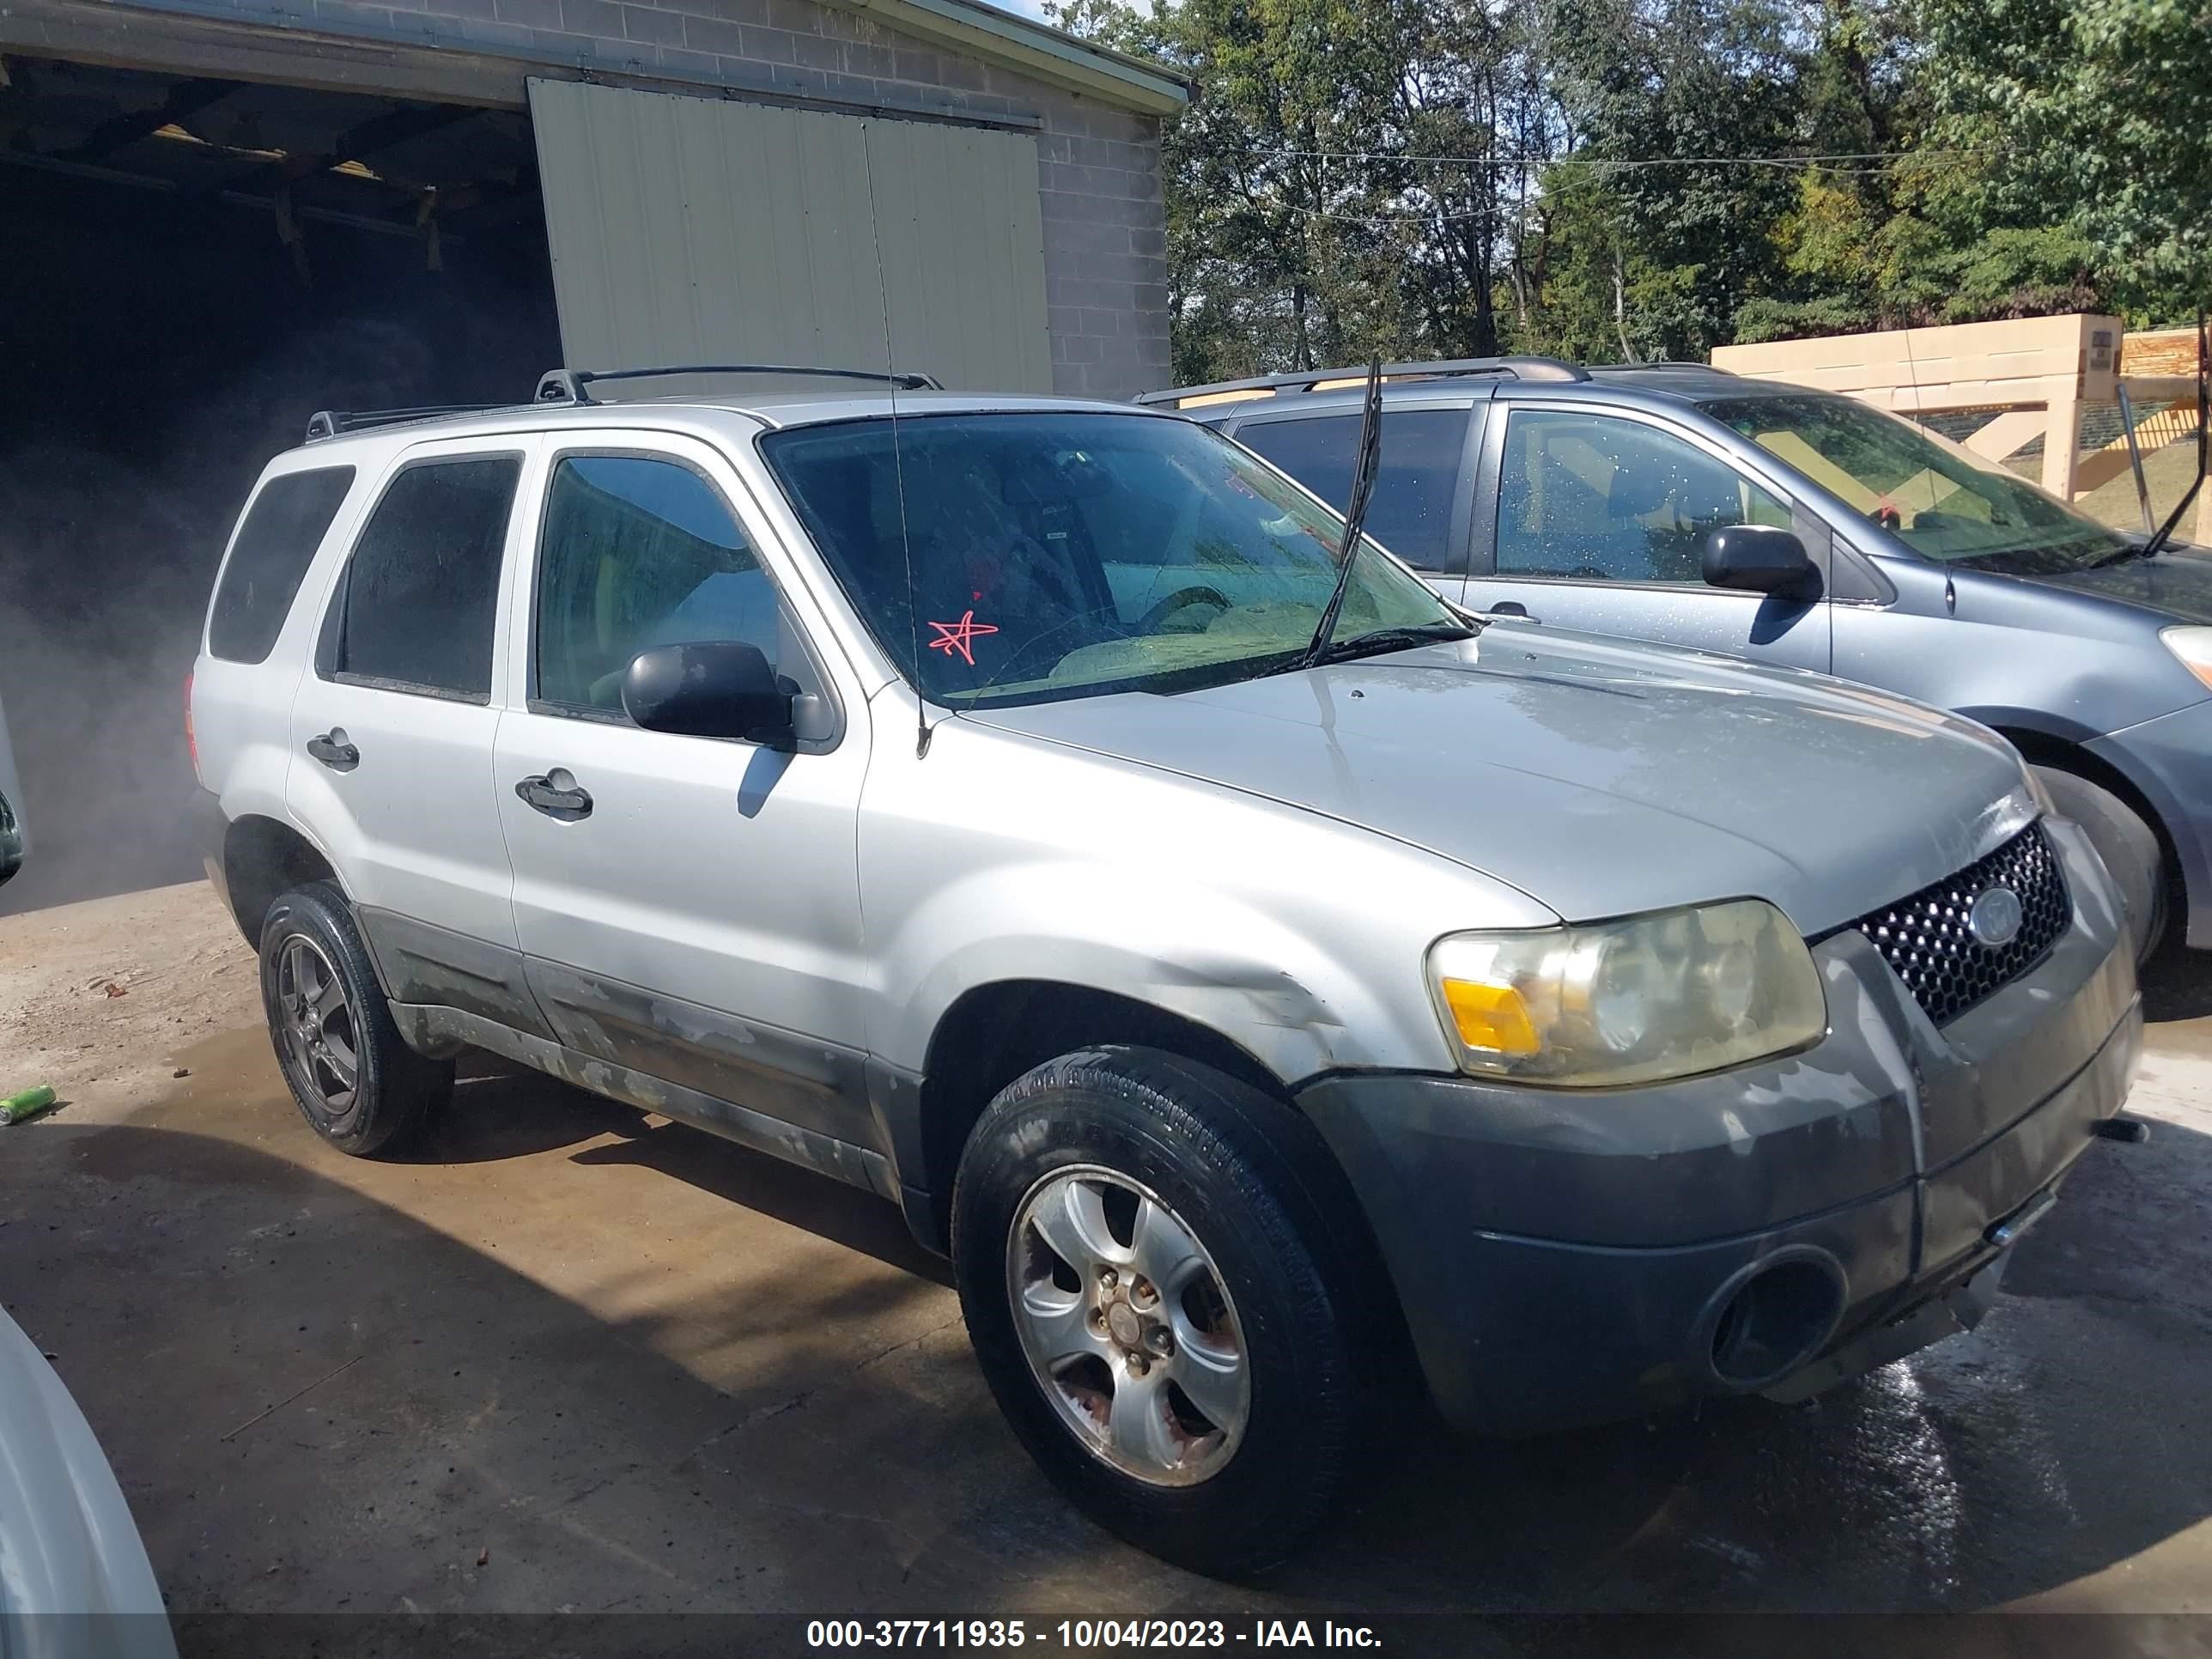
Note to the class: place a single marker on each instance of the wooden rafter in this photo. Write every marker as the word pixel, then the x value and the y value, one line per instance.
pixel 186 99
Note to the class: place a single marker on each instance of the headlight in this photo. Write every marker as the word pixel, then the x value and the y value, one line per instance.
pixel 1666 996
pixel 2192 649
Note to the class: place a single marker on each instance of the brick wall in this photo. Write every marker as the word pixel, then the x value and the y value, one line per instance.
pixel 1098 167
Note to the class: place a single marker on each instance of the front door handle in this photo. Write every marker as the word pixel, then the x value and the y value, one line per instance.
pixel 556 794
pixel 334 750
pixel 1512 608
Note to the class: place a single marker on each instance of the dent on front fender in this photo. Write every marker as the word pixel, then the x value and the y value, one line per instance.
pixel 1273 990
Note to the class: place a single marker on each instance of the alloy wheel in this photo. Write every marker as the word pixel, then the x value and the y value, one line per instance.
pixel 1128 1326
pixel 317 1022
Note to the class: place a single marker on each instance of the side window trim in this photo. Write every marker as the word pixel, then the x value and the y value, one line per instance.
pixel 822 684
pixel 1490 487
pixel 331 630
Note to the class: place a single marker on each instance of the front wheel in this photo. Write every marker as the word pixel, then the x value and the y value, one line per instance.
pixel 1157 1301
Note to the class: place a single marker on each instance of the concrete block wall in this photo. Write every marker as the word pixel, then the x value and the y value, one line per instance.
pixel 1105 241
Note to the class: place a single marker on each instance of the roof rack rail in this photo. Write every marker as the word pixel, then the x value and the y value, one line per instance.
pixel 329 423
pixel 1670 363
pixel 570 385
pixel 1323 380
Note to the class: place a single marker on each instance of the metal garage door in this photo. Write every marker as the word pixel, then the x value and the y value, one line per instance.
pixel 689 230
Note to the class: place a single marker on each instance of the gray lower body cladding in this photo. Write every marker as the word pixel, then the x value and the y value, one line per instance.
pixel 439 1029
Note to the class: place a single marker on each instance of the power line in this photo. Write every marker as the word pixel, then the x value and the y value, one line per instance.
pixel 1822 163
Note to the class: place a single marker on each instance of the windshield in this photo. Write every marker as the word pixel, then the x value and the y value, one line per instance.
pixel 1942 500
pixel 1069 555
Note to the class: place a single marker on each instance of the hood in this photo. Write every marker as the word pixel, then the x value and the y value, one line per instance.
pixel 67 1543
pixel 1601 778
pixel 2177 582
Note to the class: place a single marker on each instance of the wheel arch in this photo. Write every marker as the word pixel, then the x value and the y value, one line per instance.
pixel 993 1033
pixel 2063 755
pixel 264 858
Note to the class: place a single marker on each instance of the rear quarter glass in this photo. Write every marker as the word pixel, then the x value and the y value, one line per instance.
pixel 275 544
pixel 1415 491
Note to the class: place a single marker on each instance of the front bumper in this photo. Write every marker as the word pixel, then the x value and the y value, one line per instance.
pixel 1567 1257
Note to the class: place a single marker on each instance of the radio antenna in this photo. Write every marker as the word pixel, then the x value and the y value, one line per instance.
pixel 898 459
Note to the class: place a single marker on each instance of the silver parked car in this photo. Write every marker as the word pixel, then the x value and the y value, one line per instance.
pixel 74 1579
pixel 1674 503
pixel 74 1576
pixel 1266 992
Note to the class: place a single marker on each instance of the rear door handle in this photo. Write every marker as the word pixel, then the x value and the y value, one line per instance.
pixel 1512 608
pixel 334 750
pixel 556 794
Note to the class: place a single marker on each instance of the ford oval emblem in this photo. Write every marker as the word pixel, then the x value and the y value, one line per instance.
pixel 1995 917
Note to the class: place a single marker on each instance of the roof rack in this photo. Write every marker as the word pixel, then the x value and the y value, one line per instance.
pixel 1668 362
pixel 329 423
pixel 569 385
pixel 1325 379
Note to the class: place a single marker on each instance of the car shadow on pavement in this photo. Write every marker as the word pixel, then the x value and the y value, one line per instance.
pixel 320 1402
pixel 2177 981
pixel 828 1209
pixel 502 1111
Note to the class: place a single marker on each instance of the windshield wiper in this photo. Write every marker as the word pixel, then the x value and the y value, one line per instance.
pixel 2126 554
pixel 1375 642
pixel 1355 508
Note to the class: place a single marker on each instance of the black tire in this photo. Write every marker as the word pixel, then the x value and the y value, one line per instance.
pixel 396 1092
pixel 2129 847
pixel 1254 1185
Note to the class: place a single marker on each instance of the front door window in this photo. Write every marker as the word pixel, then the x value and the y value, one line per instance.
pixel 1597 498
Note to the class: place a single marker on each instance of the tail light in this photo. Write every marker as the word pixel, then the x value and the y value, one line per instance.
pixel 191 739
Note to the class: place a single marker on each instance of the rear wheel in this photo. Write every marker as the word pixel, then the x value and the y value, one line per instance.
pixel 2128 845
pixel 1160 1306
pixel 355 1080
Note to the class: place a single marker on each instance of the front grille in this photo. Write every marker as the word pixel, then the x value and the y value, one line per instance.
pixel 1925 939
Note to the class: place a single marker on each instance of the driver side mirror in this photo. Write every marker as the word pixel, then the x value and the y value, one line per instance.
pixel 1761 558
pixel 710 689
pixel 11 840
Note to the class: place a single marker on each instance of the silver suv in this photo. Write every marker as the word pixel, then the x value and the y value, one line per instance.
pixel 947 793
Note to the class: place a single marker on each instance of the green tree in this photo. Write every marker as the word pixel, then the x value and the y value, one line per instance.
pixel 2094 118
pixel 1606 178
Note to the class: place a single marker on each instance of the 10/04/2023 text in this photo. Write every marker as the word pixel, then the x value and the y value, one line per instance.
pixel 1084 1634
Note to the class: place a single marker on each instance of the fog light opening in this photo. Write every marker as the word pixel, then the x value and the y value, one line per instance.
pixel 1776 1320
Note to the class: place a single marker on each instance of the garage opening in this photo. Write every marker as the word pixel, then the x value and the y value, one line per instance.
pixel 195 266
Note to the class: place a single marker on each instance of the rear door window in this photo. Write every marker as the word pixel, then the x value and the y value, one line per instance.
pixel 416 608
pixel 1415 490
pixel 273 549
pixel 639 552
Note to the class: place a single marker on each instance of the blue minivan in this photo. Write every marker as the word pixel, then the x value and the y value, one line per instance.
pixel 1677 502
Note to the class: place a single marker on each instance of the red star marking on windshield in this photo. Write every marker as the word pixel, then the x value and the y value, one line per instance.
pixel 956 636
